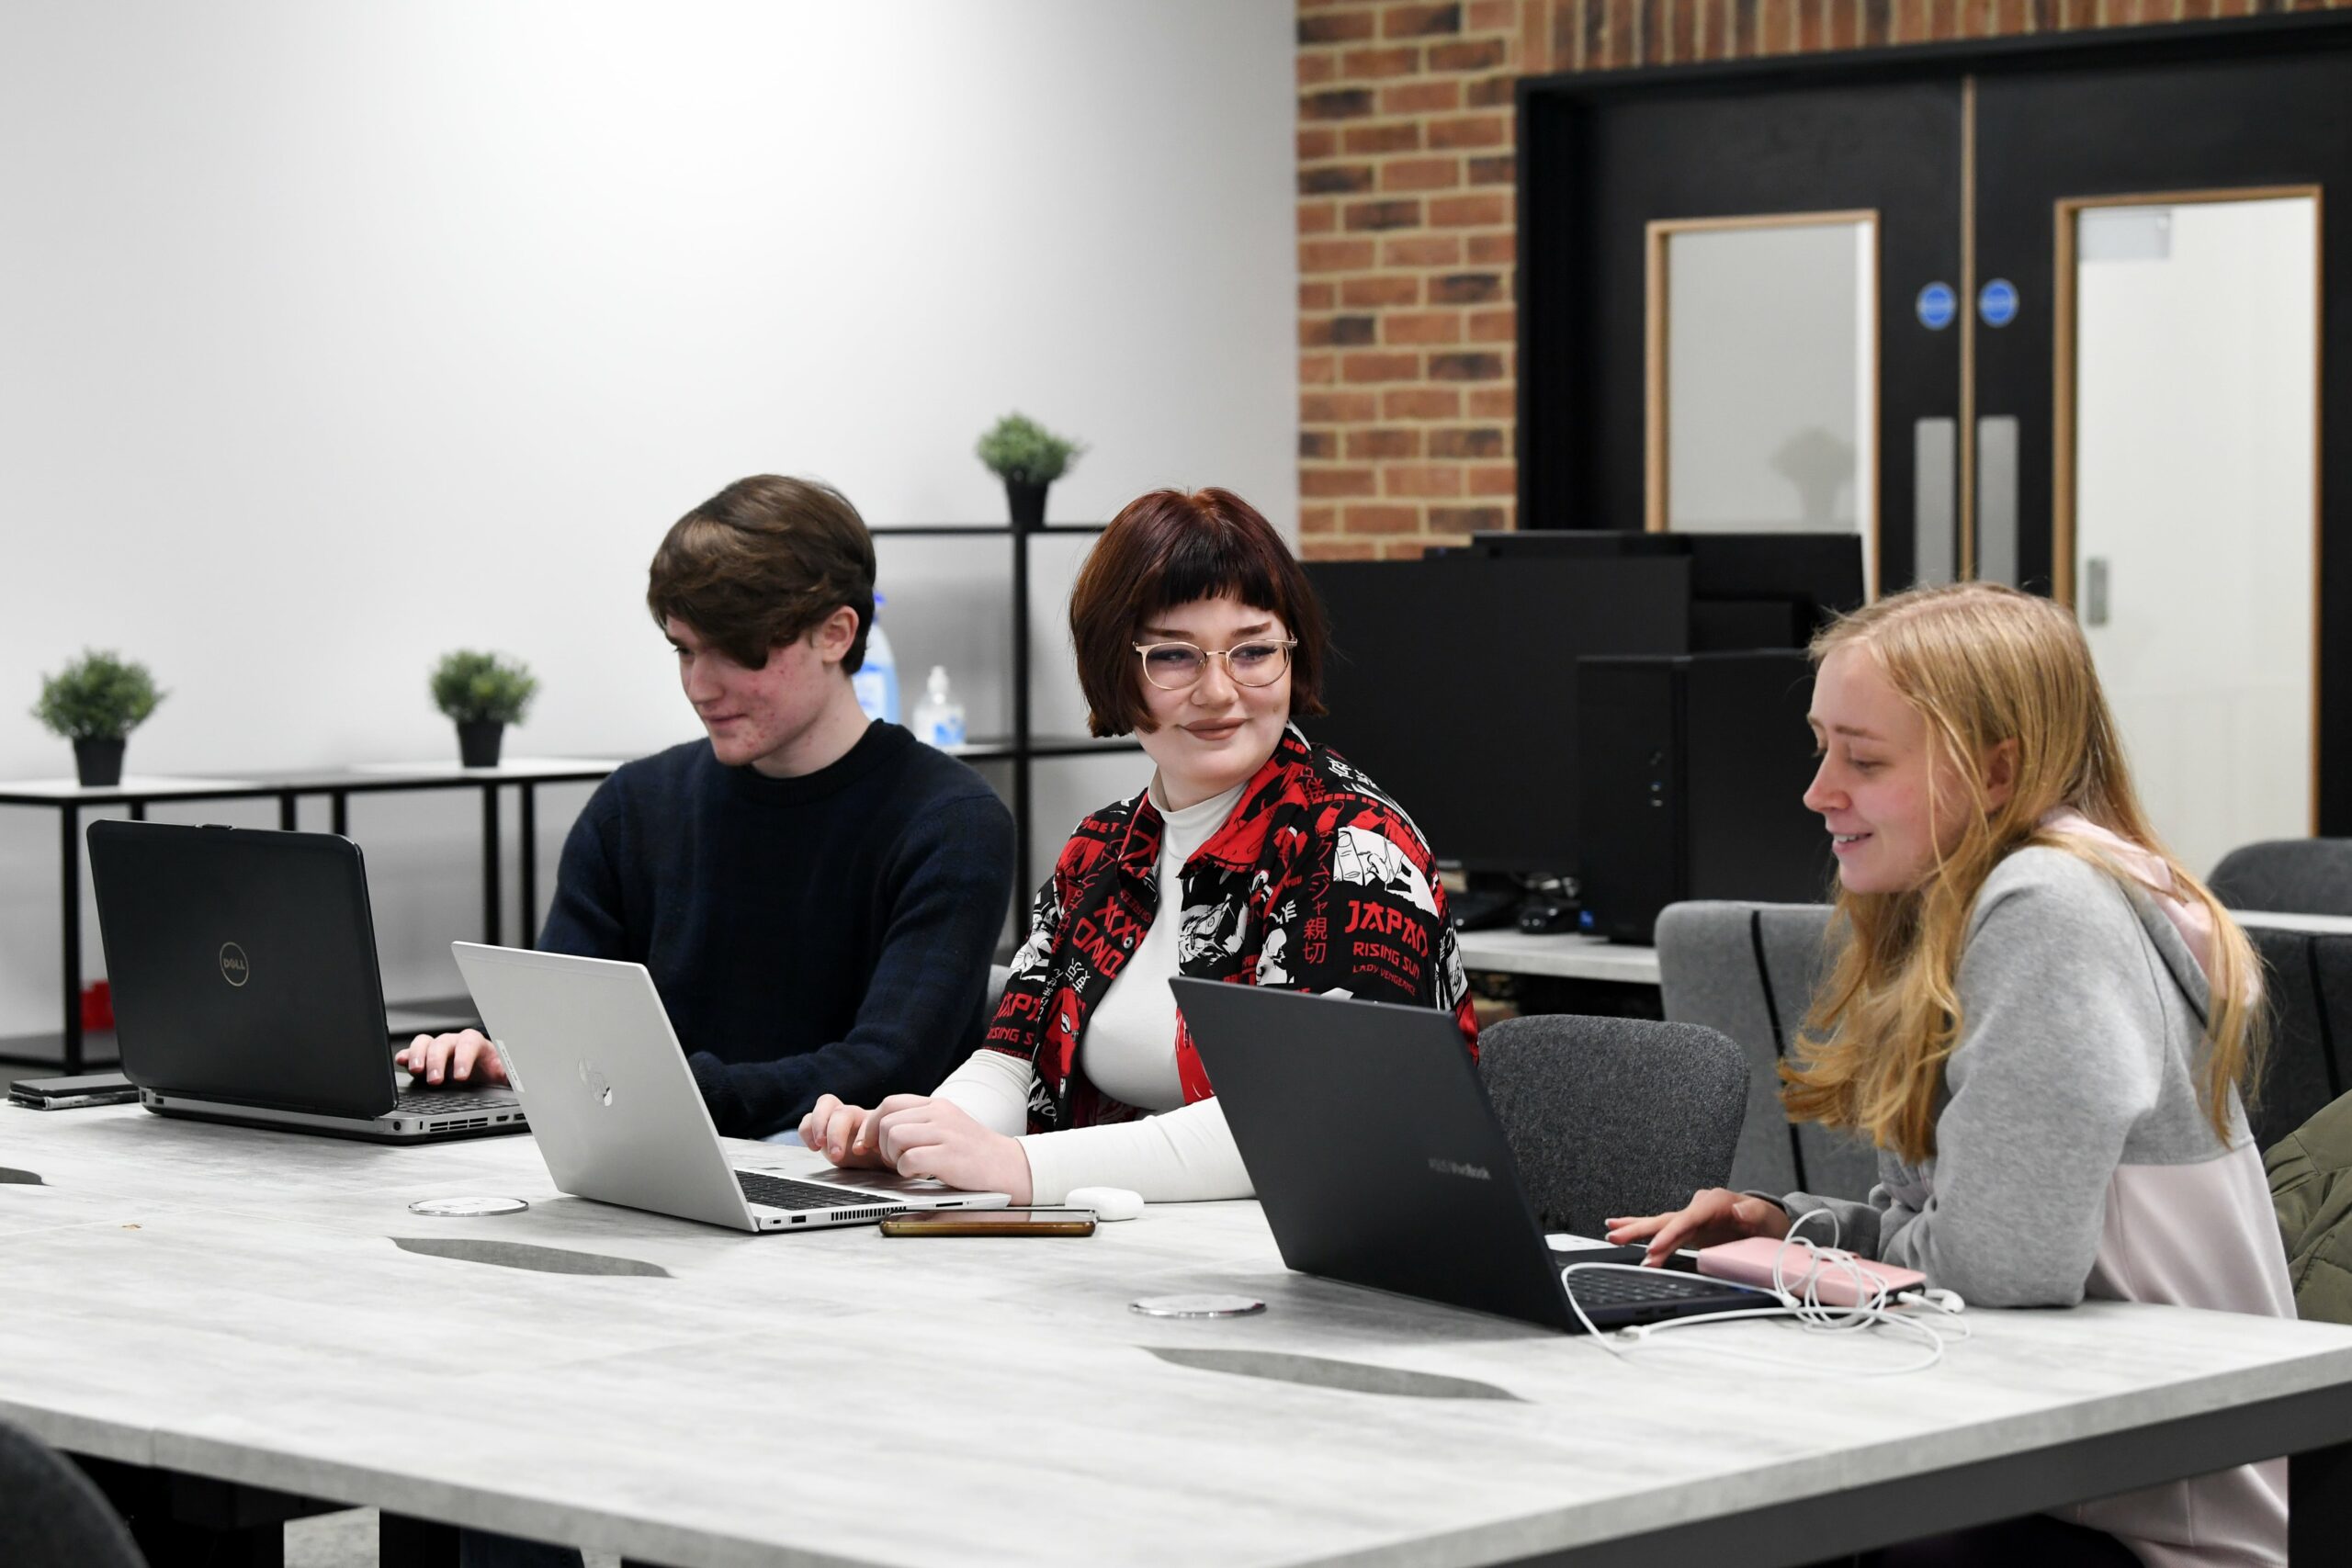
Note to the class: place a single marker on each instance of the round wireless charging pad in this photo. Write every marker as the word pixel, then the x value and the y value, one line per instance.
pixel 467 1208
pixel 1197 1306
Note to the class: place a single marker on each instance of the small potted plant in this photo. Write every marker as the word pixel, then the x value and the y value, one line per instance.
pixel 1027 457
pixel 484 693
pixel 95 701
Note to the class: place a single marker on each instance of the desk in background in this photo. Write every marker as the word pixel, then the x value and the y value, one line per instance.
pixel 2313 925
pixel 69 799
pixel 1568 972
pixel 1612 974
pixel 261 1309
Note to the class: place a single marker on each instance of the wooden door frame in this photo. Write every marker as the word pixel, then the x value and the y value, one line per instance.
pixel 2064 437
pixel 1656 329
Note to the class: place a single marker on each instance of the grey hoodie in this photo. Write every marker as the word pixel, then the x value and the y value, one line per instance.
pixel 2073 1159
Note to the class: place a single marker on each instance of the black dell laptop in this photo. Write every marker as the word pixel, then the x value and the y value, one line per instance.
pixel 245 987
pixel 1378 1161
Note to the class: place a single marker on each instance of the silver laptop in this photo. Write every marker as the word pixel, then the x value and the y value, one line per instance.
pixel 589 1049
pixel 245 987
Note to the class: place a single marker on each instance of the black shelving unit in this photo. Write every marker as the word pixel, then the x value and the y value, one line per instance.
pixel 339 785
pixel 1020 748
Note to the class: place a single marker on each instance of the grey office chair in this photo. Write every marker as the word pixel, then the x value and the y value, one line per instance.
pixel 1611 1116
pixel 2287 876
pixel 51 1515
pixel 1750 971
pixel 2307 984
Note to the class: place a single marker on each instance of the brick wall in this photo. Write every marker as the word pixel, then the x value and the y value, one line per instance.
pixel 1407 328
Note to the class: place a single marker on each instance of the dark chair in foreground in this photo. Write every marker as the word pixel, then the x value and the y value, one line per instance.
pixel 2287 876
pixel 1750 970
pixel 51 1515
pixel 1613 1115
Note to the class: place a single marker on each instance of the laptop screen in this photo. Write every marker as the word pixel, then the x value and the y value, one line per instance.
pixel 244 965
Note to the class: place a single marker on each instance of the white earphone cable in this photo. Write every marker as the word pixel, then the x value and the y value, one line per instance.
pixel 1800 1298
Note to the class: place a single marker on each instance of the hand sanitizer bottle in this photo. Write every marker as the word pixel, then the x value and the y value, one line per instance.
pixel 939 717
pixel 876 681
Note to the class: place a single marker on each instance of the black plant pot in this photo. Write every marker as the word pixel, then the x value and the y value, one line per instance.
pixel 1027 500
pixel 98 761
pixel 478 742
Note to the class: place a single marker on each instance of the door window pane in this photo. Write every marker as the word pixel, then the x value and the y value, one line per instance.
pixel 2196 387
pixel 1770 371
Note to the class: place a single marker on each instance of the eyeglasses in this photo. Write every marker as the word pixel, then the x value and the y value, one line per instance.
pixel 1173 666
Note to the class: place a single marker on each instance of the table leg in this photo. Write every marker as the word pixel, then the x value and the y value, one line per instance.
pixel 489 859
pixel 530 871
pixel 2319 1505
pixel 339 804
pixel 69 926
pixel 285 818
pixel 138 811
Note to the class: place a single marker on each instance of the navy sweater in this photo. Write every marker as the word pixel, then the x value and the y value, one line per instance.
pixel 823 934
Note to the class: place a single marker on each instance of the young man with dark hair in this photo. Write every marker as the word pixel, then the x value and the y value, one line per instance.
pixel 817 896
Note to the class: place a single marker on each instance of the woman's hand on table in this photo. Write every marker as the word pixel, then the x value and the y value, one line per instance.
pixel 843 1133
pixel 919 1135
pixel 1712 1217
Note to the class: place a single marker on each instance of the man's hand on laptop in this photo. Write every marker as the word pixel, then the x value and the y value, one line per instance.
pixel 465 1057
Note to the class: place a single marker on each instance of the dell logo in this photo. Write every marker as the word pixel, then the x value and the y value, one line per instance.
pixel 1457 1167
pixel 233 967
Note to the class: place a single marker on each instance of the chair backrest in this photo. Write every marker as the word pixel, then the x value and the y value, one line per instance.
pixel 1795 937
pixel 999 974
pixel 2307 981
pixel 51 1515
pixel 2287 876
pixel 1710 974
pixel 1750 971
pixel 1609 1116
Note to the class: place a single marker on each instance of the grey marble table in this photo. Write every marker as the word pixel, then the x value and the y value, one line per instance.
pixel 240 1305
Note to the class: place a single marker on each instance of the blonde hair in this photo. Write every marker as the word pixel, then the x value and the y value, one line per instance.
pixel 1983 664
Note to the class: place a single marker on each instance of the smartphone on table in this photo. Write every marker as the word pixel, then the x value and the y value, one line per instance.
pixel 66 1094
pixel 990 1222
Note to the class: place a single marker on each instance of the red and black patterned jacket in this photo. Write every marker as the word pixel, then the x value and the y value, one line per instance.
pixel 1317 882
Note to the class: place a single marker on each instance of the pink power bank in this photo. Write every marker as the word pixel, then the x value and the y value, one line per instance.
pixel 1750 1262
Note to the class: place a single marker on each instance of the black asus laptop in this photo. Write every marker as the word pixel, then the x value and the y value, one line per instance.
pixel 245 989
pixel 1378 1161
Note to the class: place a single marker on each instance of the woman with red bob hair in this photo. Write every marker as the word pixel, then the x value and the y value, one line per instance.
pixel 1254 856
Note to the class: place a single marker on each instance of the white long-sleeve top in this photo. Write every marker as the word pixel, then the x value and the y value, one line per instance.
pixel 1181 1152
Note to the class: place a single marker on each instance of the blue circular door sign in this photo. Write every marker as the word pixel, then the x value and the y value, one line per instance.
pixel 1936 306
pixel 1996 303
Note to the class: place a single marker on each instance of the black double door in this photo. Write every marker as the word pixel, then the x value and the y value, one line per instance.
pixel 1972 162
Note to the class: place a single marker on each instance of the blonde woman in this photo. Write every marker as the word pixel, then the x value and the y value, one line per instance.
pixel 2042 1019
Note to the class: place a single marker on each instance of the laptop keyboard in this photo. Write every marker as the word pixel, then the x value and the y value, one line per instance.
pixel 453 1101
pixel 783 1192
pixel 1606 1287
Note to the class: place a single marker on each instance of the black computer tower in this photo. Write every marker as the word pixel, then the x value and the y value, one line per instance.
pixel 1691 781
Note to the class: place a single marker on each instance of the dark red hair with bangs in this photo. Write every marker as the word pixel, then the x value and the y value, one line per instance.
pixel 1170 548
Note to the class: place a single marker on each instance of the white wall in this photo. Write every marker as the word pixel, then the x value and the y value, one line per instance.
pixel 335 336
